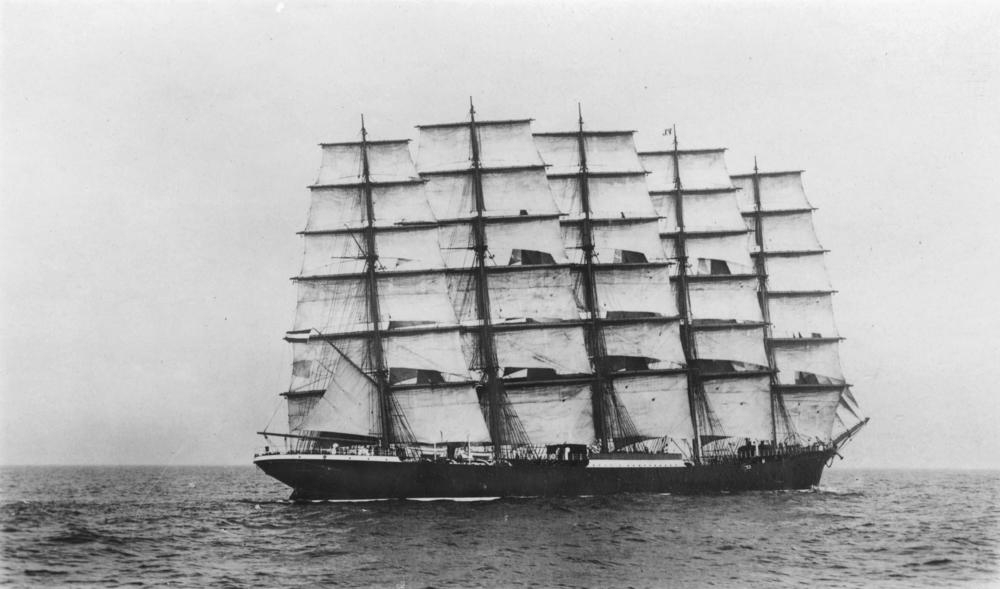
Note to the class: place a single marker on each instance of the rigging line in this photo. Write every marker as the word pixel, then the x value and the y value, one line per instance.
pixel 352 363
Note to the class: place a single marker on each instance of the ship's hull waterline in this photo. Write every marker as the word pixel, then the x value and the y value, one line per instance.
pixel 320 477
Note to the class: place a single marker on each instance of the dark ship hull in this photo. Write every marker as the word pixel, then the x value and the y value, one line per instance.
pixel 318 477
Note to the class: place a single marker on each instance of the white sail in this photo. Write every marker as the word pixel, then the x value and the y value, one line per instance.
pixel 791 232
pixel 699 170
pixel 735 345
pixel 742 406
pixel 508 241
pixel 501 144
pixel 611 197
pixel 802 316
pixel 703 212
pixel 507 193
pixel 797 273
pixel 616 242
pixel 415 299
pixel 339 306
pixel 658 342
pixel 336 306
pixel 349 401
pixel 658 405
pixel 317 360
pixel 632 290
pixel 336 207
pixel 538 294
pixel 725 300
pixel 388 161
pixel 812 413
pixel 435 351
pixel 413 248
pixel 818 358
pixel 607 152
pixel 778 192
pixel 556 348
pixel 702 251
pixel 556 414
pixel 443 414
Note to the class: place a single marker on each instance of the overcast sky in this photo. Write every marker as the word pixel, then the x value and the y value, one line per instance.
pixel 155 157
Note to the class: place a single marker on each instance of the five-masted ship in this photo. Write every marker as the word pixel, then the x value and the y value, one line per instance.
pixel 519 314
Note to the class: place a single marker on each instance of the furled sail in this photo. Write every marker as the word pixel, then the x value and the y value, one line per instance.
pixel 804 339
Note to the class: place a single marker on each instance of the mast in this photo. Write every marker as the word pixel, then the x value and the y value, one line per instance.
pixel 487 352
pixel 375 349
pixel 687 333
pixel 595 336
pixel 760 265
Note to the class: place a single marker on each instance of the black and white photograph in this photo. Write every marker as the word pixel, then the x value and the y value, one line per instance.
pixel 500 293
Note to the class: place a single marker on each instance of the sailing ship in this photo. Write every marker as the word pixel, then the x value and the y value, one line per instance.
pixel 538 314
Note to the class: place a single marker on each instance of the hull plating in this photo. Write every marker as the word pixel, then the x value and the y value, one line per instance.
pixel 312 478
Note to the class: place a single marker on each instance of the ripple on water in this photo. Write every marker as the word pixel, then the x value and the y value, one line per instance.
pixel 191 527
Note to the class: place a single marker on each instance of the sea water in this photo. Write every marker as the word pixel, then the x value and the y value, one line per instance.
pixel 232 526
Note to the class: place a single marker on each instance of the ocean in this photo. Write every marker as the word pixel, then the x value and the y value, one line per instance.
pixel 232 527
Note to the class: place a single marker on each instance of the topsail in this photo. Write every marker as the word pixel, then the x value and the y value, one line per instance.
pixel 512 291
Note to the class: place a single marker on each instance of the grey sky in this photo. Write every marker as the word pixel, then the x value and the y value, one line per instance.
pixel 155 157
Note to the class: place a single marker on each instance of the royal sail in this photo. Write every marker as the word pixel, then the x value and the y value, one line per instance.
pixel 513 312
